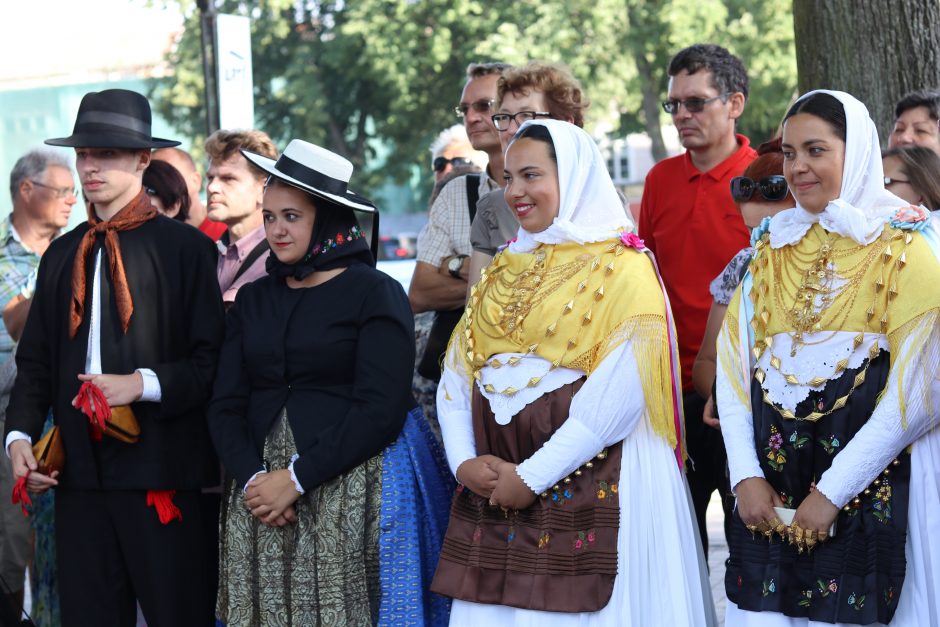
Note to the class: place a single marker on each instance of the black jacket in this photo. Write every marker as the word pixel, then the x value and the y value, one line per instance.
pixel 176 330
pixel 338 356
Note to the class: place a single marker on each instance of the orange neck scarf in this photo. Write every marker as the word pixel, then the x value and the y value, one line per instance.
pixel 130 217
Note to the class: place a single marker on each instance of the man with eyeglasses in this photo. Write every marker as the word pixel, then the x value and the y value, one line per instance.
pixel 534 91
pixel 42 191
pixel 443 247
pixel 690 222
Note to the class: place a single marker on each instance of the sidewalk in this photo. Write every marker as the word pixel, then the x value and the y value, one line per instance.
pixel 717 553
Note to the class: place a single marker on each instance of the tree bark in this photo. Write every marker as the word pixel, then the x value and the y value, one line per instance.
pixel 875 50
pixel 651 105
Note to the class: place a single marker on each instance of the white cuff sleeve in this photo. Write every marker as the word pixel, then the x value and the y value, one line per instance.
pixel 152 391
pixel 569 447
pixel 453 413
pixel 293 477
pixel 13 437
pixel 260 472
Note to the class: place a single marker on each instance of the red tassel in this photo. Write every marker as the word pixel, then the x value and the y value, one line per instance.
pixel 21 495
pixel 163 501
pixel 92 403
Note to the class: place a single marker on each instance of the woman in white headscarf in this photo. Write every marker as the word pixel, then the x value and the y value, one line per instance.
pixel 558 407
pixel 827 389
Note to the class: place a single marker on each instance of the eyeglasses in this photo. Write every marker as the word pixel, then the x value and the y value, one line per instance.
pixel 772 188
pixel 890 181
pixel 58 192
pixel 442 162
pixel 480 106
pixel 502 121
pixel 692 105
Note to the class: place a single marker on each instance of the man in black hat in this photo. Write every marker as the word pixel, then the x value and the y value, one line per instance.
pixel 126 312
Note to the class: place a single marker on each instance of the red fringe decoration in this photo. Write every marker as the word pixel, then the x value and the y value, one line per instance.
pixel 21 495
pixel 163 501
pixel 92 403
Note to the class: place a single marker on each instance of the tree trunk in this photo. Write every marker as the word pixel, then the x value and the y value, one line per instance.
pixel 875 50
pixel 651 106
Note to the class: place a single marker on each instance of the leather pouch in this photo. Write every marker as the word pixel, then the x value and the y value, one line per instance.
pixel 123 424
pixel 49 452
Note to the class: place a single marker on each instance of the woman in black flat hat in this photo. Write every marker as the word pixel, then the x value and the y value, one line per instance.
pixel 337 498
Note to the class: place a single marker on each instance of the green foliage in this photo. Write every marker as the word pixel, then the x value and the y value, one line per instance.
pixel 375 80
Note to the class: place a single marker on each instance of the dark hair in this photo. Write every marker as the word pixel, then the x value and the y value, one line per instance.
pixel 538 132
pixel 562 90
pixel 769 161
pixel 930 100
pixel 476 70
pixel 823 106
pixel 922 166
pixel 728 73
pixel 169 186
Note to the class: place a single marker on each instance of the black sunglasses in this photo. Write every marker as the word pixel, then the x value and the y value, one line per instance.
pixel 772 188
pixel 692 105
pixel 442 162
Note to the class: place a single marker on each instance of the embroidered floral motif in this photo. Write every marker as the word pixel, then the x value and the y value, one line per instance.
pixel 857 602
pixel 511 535
pixel 605 490
pixel 825 589
pixel 830 444
pixel 560 497
pixel 544 539
pixel 787 500
pixel 776 456
pixel 459 489
pixel 584 538
pixel 477 534
pixel 806 598
pixel 890 595
pixel 340 239
pixel 632 240
pixel 769 587
pixel 881 502
pixel 797 440
pixel 740 581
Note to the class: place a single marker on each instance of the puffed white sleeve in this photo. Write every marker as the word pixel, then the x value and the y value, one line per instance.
pixel 732 386
pixel 908 409
pixel 603 412
pixel 453 410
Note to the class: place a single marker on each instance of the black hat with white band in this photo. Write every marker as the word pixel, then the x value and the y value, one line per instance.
pixel 316 170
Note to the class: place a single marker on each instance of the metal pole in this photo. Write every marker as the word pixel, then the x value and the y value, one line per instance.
pixel 209 62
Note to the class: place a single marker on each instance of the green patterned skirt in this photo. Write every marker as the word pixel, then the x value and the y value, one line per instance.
pixel 322 570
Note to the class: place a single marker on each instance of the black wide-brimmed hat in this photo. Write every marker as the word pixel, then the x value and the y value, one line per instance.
pixel 113 118
pixel 316 170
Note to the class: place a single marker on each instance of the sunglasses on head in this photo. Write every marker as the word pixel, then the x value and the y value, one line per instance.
pixel 772 188
pixel 442 162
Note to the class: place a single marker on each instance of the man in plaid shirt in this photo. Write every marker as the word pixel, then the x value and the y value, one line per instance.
pixel 43 192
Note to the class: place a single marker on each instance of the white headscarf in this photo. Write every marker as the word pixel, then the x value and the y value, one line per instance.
pixel 864 205
pixel 589 208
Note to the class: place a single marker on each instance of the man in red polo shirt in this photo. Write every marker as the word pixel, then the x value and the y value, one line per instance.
pixel 690 222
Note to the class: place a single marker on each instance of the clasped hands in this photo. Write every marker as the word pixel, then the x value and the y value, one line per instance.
pixel 497 480
pixel 810 525
pixel 270 498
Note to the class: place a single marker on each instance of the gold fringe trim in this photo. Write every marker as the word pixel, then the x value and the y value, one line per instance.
pixel 915 332
pixel 728 357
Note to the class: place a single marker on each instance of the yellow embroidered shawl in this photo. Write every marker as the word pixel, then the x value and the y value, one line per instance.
pixel 896 279
pixel 572 304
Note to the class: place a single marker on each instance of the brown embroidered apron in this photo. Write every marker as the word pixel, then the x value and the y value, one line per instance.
pixel 559 554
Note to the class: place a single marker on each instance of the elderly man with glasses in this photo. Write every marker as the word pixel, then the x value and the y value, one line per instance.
pixel 689 220
pixel 440 277
pixel 43 191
